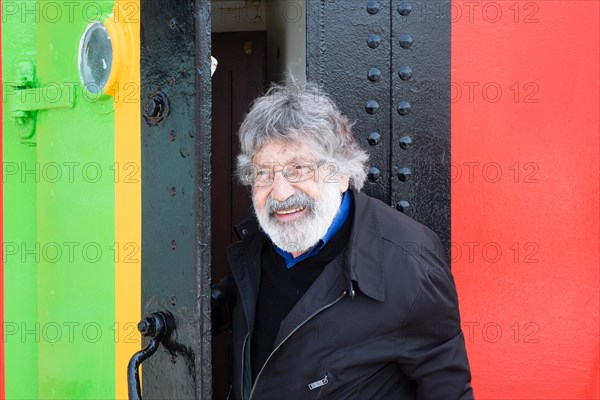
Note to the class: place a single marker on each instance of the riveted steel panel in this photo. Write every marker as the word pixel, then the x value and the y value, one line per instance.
pixel 175 76
pixel 421 112
pixel 387 65
pixel 348 54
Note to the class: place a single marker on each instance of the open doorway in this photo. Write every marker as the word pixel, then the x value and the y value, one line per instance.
pixel 254 42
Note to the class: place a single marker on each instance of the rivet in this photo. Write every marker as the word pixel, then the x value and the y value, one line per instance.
pixel 374 74
pixel 404 8
pixel 403 107
pixel 405 73
pixel 244 232
pixel 405 142
pixel 173 23
pixel 372 106
pixel 172 245
pixel 373 7
pixel 374 138
pixel 172 135
pixel 405 41
pixel 374 174
pixel 402 206
pixel 404 173
pixel 373 41
pixel 173 300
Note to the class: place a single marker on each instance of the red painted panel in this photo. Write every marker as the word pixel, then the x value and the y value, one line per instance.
pixel 525 195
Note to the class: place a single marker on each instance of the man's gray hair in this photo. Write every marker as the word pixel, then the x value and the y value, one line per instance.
pixel 300 113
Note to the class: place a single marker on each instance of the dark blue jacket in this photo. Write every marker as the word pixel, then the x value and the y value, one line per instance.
pixel 380 322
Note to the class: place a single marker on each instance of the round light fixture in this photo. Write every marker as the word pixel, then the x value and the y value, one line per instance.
pixel 95 57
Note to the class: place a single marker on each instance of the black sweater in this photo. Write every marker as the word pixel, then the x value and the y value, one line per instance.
pixel 281 288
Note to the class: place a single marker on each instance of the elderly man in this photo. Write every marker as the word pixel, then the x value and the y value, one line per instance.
pixel 338 295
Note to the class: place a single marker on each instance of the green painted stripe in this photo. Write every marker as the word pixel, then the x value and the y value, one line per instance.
pixel 76 290
pixel 19 209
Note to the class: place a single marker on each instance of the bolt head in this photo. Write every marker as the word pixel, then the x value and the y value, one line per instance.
pixel 402 206
pixel 143 326
pixel 404 174
pixel 374 174
pixel 404 8
pixel 373 7
pixel 374 138
pixel 405 142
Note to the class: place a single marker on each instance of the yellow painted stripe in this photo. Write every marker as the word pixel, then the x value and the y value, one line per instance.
pixel 125 88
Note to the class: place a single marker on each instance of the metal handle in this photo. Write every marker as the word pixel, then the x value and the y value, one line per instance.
pixel 223 299
pixel 156 326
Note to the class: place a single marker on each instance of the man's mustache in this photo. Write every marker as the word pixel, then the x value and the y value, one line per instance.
pixel 297 200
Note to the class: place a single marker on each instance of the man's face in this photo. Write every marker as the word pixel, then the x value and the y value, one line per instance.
pixel 295 194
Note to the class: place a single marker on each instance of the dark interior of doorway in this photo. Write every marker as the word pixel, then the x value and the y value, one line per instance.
pixel 240 77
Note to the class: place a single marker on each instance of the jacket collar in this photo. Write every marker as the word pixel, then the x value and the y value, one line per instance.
pixel 364 255
pixel 244 261
pixel 365 248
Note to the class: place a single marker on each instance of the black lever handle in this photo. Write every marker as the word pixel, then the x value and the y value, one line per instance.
pixel 156 326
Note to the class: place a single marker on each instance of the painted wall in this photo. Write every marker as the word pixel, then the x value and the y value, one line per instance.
pixel 525 189
pixel 18 367
pixel 71 204
pixel 286 40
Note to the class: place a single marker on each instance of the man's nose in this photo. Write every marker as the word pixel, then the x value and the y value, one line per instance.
pixel 282 188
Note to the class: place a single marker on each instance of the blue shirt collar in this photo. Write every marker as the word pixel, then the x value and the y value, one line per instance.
pixel 336 224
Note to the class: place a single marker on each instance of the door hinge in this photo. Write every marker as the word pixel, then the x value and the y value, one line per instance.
pixel 24 100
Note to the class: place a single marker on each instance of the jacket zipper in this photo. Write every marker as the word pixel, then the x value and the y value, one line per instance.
pixel 287 337
pixel 243 365
pixel 320 384
pixel 317 384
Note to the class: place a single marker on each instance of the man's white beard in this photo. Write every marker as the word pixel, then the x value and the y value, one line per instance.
pixel 302 234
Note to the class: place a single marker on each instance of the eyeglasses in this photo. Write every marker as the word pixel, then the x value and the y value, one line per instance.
pixel 293 172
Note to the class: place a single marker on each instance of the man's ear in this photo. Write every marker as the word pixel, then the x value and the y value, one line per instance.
pixel 344 183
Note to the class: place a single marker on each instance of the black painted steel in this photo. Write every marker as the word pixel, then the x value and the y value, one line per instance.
pixel 421 132
pixel 175 61
pixel 202 189
pixel 357 76
pixel 134 389
pixel 412 93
